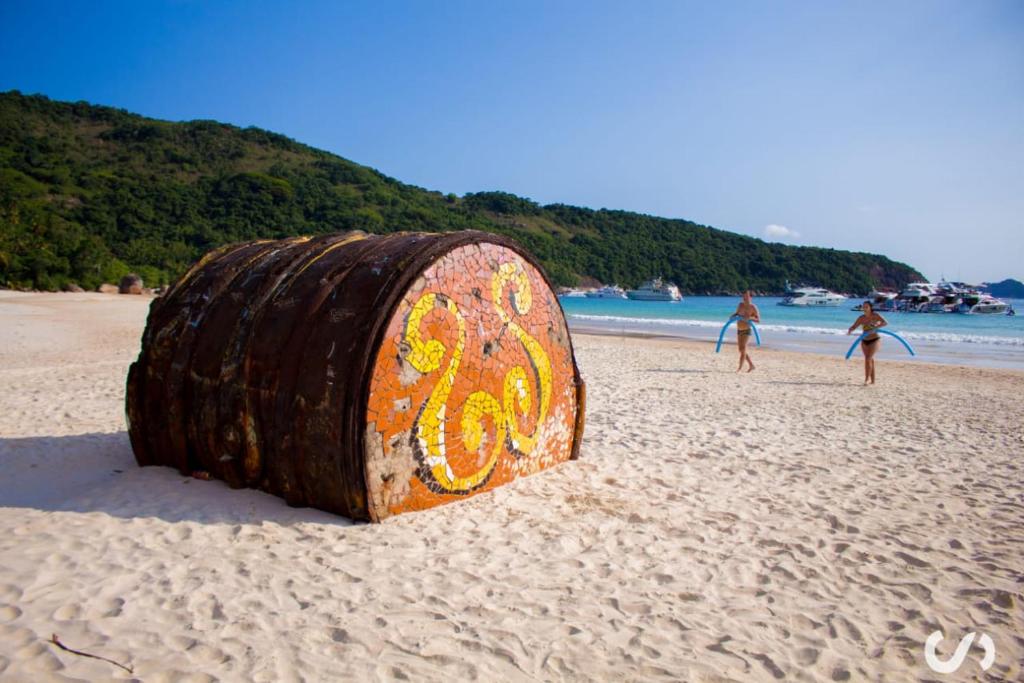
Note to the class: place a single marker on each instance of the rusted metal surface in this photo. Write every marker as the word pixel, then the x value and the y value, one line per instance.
pixel 258 365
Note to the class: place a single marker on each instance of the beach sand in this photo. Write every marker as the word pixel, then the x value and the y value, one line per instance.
pixel 785 523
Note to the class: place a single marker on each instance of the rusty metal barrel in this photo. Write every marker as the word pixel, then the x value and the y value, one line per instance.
pixel 364 375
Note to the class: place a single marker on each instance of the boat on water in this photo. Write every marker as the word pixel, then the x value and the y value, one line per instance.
pixel 917 290
pixel 880 301
pixel 948 297
pixel 976 303
pixel 607 292
pixel 811 296
pixel 655 290
pixel 915 297
pixel 942 303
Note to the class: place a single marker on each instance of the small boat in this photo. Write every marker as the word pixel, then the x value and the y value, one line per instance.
pixel 607 292
pixel 811 296
pixel 655 290
pixel 571 292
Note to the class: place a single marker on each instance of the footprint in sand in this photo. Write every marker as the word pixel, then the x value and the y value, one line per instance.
pixel 911 560
pixel 840 674
pixel 13 636
pixel 9 613
pixel 206 654
pixel 178 533
pixel 1000 598
pixel 720 648
pixel 105 608
pixel 42 659
pixel 851 629
pixel 67 613
pixel 9 592
pixel 340 635
pixel 182 642
pixel 769 665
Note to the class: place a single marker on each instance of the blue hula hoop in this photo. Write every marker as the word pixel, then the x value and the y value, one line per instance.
pixel 891 334
pixel 721 335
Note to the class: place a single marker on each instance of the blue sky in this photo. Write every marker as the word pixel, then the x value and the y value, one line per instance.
pixel 895 127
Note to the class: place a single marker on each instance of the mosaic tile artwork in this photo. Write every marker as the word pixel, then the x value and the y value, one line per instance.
pixel 473 384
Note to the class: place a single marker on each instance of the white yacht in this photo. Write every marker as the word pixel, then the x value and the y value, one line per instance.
pixel 655 290
pixel 916 297
pixel 880 301
pixel 607 292
pixel 975 302
pixel 942 303
pixel 812 296
pixel 946 297
pixel 918 290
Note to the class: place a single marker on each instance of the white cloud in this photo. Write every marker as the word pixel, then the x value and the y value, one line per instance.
pixel 780 232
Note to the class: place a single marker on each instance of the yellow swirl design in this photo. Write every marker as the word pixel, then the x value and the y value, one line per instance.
pixel 427 355
pixel 517 391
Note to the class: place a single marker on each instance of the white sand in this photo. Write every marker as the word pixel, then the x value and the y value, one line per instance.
pixel 719 527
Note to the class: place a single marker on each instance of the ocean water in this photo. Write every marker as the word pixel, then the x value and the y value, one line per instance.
pixel 988 340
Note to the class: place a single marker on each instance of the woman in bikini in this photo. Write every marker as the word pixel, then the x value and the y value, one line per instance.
pixel 746 311
pixel 870 321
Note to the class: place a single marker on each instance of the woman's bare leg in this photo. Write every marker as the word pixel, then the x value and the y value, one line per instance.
pixel 866 349
pixel 741 343
pixel 869 362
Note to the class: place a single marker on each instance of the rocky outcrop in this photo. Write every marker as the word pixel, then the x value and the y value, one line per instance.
pixel 131 284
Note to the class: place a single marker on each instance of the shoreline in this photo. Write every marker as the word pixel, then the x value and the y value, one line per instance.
pixel 929 352
pixel 707 346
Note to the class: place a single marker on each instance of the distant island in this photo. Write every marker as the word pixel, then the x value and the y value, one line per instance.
pixel 91 193
pixel 1008 288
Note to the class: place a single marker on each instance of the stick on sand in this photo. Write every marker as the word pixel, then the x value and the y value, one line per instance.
pixel 55 641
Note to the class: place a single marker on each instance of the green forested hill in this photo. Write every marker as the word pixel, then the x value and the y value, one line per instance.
pixel 89 193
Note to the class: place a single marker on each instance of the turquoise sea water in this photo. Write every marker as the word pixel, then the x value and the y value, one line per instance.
pixel 993 340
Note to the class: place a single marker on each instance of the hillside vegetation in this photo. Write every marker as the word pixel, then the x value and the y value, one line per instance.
pixel 89 193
